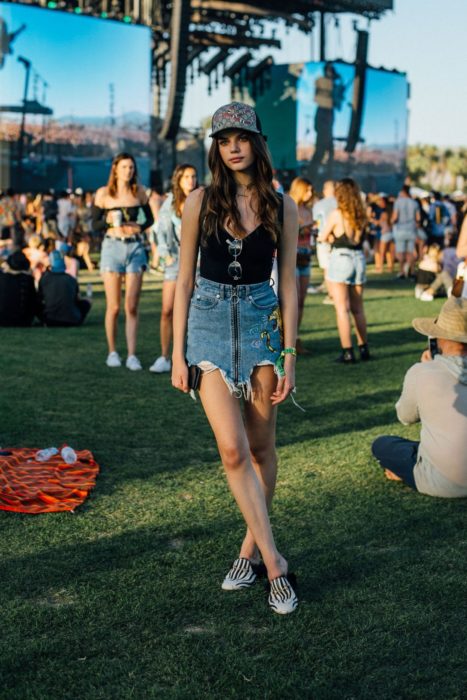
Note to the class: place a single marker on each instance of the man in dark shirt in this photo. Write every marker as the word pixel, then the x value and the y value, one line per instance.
pixel 18 296
pixel 59 296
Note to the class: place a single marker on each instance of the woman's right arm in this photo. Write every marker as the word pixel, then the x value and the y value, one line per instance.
pixel 328 228
pixel 461 250
pixel 185 282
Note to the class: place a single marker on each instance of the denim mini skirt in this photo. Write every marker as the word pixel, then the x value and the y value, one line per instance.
pixel 234 328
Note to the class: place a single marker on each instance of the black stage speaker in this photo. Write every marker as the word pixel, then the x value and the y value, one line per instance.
pixel 358 91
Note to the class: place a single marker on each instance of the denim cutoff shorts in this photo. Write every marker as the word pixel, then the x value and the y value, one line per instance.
pixel 347 266
pixel 171 272
pixel 234 329
pixel 118 256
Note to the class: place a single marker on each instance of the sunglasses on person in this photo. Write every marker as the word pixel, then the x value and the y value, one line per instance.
pixel 234 269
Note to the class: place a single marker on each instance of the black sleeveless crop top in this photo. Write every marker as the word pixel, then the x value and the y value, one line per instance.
pixel 345 241
pixel 256 257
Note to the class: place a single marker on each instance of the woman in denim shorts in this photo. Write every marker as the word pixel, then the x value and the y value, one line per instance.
pixel 346 272
pixel 301 191
pixel 121 209
pixel 229 324
pixel 168 227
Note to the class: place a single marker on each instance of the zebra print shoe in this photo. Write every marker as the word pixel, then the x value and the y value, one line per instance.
pixel 282 597
pixel 241 575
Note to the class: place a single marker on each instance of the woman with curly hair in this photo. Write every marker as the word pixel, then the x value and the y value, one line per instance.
pixel 233 327
pixel 345 229
pixel 168 229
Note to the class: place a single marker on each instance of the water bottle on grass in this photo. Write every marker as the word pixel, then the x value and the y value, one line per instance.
pixel 69 455
pixel 44 455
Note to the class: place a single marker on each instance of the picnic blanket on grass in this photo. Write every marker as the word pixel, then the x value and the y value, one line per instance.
pixel 29 486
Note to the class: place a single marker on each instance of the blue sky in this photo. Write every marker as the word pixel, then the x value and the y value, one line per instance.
pixel 78 57
pixel 425 38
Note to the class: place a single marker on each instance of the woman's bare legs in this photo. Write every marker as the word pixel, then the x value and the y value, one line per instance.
pixel 302 286
pixel 340 297
pixel 168 296
pixel 133 283
pixel 224 415
pixel 357 311
pixel 260 425
pixel 113 291
pixel 82 251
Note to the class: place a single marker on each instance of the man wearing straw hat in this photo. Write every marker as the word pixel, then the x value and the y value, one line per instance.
pixel 434 393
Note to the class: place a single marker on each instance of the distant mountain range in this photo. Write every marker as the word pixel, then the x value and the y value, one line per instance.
pixel 135 118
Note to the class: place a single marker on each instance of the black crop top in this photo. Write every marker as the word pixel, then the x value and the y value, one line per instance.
pixel 255 258
pixel 99 215
pixel 345 241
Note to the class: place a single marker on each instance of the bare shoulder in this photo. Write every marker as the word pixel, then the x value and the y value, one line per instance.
pixel 142 196
pixel 194 201
pixel 101 194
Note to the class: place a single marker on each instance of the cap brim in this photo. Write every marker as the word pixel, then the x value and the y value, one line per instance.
pixel 234 128
pixel 429 327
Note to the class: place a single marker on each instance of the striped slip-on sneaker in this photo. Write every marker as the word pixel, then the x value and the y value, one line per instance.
pixel 242 575
pixel 282 597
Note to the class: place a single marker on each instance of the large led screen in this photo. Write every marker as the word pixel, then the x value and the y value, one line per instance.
pixel 74 91
pixel 331 121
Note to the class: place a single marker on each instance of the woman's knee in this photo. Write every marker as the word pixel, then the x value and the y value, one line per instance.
pixel 233 457
pixel 131 307
pixel 263 455
pixel 113 309
pixel 167 314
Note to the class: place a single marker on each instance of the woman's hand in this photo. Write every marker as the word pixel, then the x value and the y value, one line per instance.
pixel 180 374
pixel 286 384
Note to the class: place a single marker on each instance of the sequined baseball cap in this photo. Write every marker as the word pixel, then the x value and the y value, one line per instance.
pixel 235 115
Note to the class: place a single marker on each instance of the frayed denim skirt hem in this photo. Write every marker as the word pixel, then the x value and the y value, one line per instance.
pixel 234 328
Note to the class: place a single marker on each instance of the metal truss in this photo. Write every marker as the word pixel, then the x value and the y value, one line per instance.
pixel 183 30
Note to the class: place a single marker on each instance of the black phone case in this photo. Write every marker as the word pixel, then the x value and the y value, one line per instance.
pixel 194 377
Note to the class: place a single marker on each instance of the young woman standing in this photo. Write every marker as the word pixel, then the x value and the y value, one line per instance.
pixel 301 191
pixel 229 325
pixel 168 228
pixel 121 209
pixel 344 229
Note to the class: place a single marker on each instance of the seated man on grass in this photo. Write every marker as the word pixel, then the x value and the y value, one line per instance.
pixel 434 393
pixel 59 300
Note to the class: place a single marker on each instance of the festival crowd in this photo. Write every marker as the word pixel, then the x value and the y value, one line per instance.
pixel 242 260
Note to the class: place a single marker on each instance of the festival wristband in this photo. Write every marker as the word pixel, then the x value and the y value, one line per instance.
pixel 280 360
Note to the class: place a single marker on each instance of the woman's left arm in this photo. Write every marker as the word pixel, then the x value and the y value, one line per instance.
pixel 287 254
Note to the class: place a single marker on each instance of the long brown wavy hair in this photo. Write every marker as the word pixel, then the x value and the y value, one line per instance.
pixel 349 201
pixel 178 193
pixel 220 203
pixel 112 183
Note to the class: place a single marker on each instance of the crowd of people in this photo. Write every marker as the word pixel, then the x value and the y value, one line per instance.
pixel 237 262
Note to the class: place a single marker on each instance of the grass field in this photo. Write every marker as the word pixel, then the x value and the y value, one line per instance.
pixel 122 599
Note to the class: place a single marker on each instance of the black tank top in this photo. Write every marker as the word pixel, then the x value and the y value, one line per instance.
pixel 255 258
pixel 344 241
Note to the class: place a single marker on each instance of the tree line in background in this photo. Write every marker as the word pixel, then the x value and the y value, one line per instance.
pixel 438 168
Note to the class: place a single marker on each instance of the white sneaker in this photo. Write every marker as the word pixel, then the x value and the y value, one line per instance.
pixel 312 290
pixel 113 360
pixel 426 296
pixel 133 363
pixel 162 364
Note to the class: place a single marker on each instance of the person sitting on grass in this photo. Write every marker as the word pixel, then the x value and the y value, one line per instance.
pixel 60 304
pixel 434 393
pixel 18 296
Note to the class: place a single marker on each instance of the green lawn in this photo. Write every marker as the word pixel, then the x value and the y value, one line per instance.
pixel 122 599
